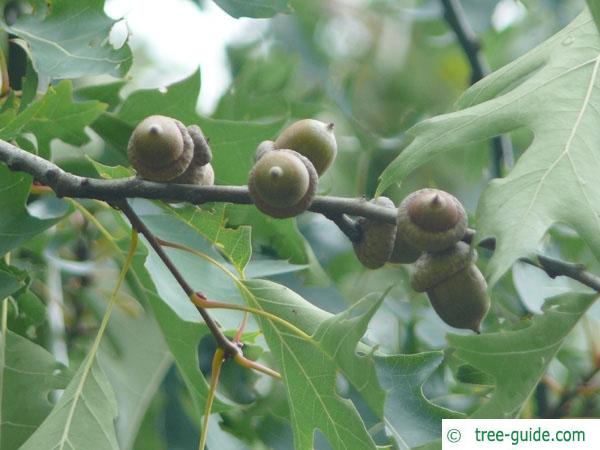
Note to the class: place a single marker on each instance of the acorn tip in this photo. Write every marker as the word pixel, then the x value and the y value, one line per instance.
pixel 276 172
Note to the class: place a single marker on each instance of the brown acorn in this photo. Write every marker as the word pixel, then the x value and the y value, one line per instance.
pixel 403 252
pixel 455 286
pixel 431 220
pixel 200 172
pixel 377 238
pixel 282 183
pixel 160 148
pixel 313 139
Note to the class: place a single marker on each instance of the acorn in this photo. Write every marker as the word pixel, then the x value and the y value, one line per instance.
pixel 456 288
pixel 282 183
pixel 196 174
pixel 431 220
pixel 403 252
pixel 160 148
pixel 200 172
pixel 375 246
pixel 263 147
pixel 313 139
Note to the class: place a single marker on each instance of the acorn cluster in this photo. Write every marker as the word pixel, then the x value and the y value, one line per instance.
pixel 163 149
pixel 429 228
pixel 283 182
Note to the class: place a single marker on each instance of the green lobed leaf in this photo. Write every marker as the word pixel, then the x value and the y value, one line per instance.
pixel 333 348
pixel 70 39
pixel 553 92
pixel 211 223
pixel 30 86
pixel 28 376
pixel 594 7
pixel 111 172
pixel 254 8
pixel 410 417
pixel 309 372
pixel 53 116
pixel 517 359
pixel 16 223
pixel 466 373
pixel 11 279
pixel 27 315
pixel 108 93
pixel 85 413
pixel 135 358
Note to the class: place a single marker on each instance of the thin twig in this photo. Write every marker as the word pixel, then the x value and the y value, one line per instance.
pixel 230 349
pixel 502 153
pixel 552 266
pixel 568 395
pixel 347 225
pixel 65 184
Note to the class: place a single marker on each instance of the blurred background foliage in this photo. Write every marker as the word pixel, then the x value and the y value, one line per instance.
pixel 374 68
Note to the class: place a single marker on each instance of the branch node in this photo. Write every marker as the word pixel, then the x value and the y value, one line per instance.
pixel 51 174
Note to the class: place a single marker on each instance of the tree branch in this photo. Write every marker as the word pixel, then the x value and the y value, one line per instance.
pixel 502 154
pixel 229 348
pixel 65 184
pixel 560 410
pixel 552 266
pixel 115 191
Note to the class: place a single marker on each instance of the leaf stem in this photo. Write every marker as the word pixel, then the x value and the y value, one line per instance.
pixel 248 363
pixel 217 363
pixel 208 304
pixel 5 86
pixel 89 360
pixel 3 336
pixel 202 302
pixel 198 253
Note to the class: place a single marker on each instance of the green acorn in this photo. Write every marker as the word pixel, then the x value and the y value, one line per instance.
pixel 455 286
pixel 200 172
pixel 313 139
pixel 282 183
pixel 160 148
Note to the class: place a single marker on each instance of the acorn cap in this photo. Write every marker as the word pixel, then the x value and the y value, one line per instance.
pixel 377 238
pixel 313 139
pixel 202 151
pixel 431 220
pixel 262 148
pixel 282 183
pixel 160 148
pixel 200 175
pixel 432 269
